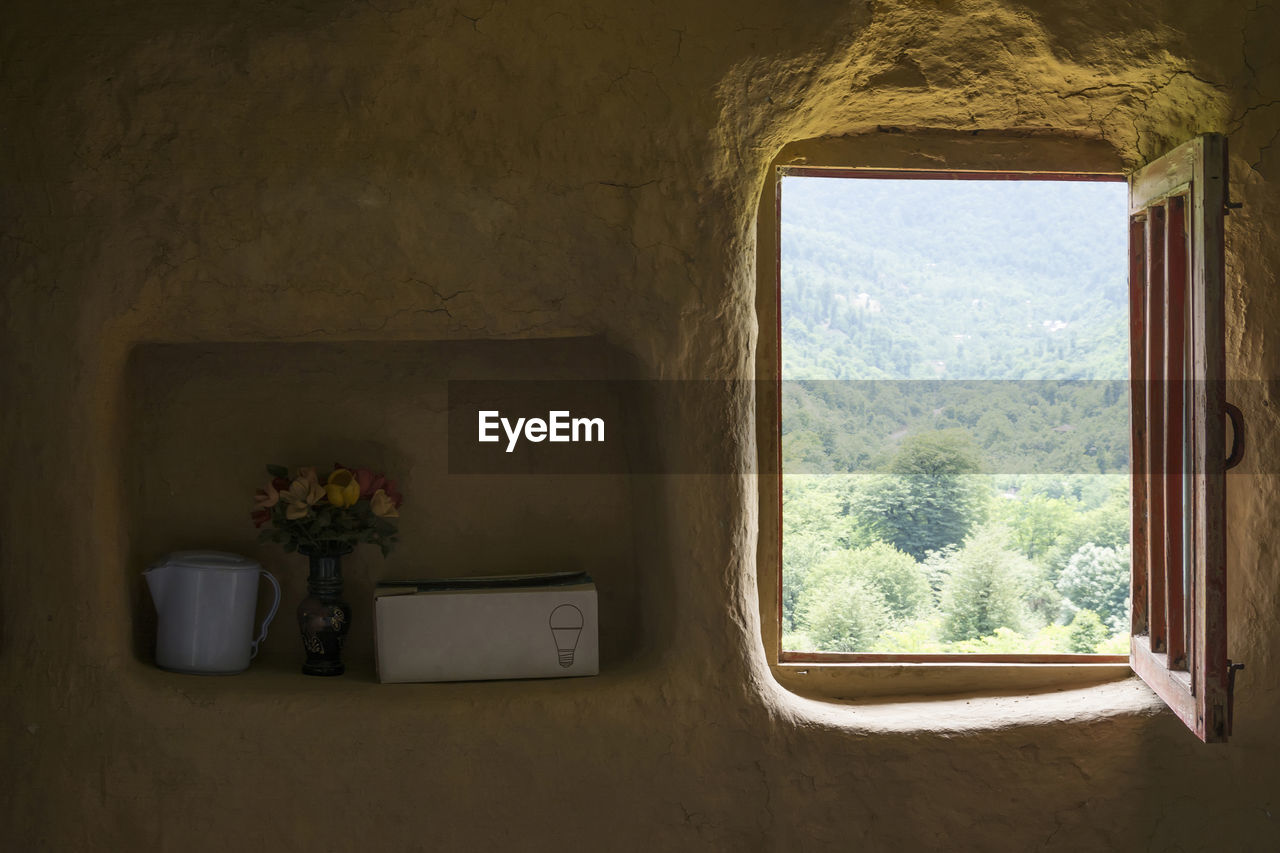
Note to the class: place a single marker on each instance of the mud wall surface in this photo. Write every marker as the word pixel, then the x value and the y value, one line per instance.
pixel 240 229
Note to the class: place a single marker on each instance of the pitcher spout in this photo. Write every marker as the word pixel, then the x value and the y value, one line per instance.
pixel 156 581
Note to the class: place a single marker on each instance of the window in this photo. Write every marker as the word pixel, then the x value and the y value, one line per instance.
pixel 1177 630
pixel 969 332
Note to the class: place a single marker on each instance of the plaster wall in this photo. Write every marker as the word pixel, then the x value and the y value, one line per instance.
pixel 217 185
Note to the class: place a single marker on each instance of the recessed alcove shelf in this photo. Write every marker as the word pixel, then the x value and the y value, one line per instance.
pixel 203 420
pixel 279 686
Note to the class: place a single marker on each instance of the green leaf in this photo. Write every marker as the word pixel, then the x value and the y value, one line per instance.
pixel 278 471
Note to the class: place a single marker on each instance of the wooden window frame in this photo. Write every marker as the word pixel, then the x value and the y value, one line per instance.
pixel 1178 645
pixel 1187 667
pixel 956 659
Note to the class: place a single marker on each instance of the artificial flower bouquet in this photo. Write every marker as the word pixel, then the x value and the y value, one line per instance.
pixel 353 506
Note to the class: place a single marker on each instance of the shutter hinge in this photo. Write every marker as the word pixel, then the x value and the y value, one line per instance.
pixel 1232 669
pixel 1232 205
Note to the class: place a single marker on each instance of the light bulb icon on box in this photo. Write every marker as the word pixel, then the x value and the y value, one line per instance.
pixel 566 627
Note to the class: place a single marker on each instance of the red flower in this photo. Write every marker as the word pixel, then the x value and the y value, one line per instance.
pixel 260 517
pixel 369 482
pixel 393 492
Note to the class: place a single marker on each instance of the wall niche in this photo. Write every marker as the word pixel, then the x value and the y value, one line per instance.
pixel 203 419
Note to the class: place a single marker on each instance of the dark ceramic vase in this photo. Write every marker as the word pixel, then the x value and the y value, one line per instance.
pixel 323 617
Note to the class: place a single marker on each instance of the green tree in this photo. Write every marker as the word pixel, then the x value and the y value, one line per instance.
pixel 898 579
pixel 1096 580
pixel 1087 631
pixel 823 506
pixel 1038 522
pixel 1106 525
pixel 932 496
pixel 803 451
pixel 842 613
pixel 984 587
pixel 800 553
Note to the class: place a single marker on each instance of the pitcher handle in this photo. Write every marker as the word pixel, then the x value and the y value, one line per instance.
pixel 275 605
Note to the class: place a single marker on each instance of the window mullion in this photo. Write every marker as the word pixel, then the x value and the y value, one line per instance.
pixel 1175 268
pixel 1138 421
pixel 1157 430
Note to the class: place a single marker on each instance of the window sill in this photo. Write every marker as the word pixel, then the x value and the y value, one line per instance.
pixel 1123 696
pixel 923 681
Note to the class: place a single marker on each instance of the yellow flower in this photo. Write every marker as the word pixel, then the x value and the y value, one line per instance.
pixel 342 488
pixel 382 505
pixel 266 498
pixel 300 496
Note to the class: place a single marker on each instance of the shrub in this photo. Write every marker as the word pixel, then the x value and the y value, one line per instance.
pixel 1097 579
pixel 1087 632
pixel 984 587
pixel 841 611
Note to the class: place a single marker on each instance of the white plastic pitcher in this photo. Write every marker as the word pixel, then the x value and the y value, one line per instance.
pixel 205 601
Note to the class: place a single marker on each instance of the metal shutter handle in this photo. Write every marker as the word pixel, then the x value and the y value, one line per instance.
pixel 1237 437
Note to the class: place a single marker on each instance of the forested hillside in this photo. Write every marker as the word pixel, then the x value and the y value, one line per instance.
pixel 953 279
pixel 955 418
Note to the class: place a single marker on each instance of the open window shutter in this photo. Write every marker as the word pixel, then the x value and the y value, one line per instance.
pixel 1179 637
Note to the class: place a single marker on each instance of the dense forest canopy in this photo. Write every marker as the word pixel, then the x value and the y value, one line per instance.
pixel 955 415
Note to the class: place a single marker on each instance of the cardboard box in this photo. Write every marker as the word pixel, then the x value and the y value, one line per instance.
pixel 475 629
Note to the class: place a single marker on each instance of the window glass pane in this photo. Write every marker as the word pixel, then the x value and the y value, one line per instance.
pixel 955 419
